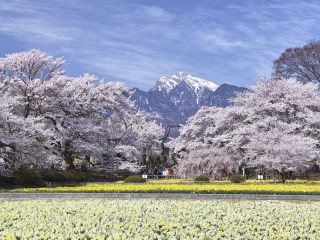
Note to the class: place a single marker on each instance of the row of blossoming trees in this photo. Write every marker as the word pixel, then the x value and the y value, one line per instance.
pixel 47 118
pixel 275 126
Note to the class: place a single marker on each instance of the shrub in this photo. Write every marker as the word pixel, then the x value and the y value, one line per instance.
pixel 201 178
pixel 74 175
pixel 28 177
pixel 134 179
pixel 6 181
pixel 237 179
pixel 54 176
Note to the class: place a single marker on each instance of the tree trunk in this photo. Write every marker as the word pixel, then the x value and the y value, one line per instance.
pixel 68 155
pixel 283 177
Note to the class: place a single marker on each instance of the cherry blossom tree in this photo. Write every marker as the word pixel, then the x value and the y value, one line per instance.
pixel 60 118
pixel 284 106
pixel 22 141
pixel 143 134
pixel 274 124
pixel 279 150
pixel 85 117
pixel 205 160
pixel 198 127
pixel 197 154
pixel 24 136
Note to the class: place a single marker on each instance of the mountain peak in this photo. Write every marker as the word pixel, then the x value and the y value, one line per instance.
pixel 166 84
pixel 180 96
pixel 181 75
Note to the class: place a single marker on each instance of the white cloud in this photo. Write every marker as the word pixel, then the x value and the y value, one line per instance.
pixel 35 31
pixel 225 41
pixel 155 13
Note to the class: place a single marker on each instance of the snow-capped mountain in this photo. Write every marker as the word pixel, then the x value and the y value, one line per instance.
pixel 180 96
pixel 166 84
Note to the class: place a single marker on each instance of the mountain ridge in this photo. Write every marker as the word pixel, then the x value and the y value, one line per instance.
pixel 180 96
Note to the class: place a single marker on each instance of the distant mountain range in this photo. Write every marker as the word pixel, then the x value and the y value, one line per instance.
pixel 180 96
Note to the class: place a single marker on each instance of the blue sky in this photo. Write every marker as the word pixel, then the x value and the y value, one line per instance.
pixel 136 41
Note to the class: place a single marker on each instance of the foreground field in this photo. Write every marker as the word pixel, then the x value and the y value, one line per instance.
pixel 187 186
pixel 158 219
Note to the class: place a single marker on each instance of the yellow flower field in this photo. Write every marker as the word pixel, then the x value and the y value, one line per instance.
pixel 175 186
pixel 158 219
pixel 251 181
